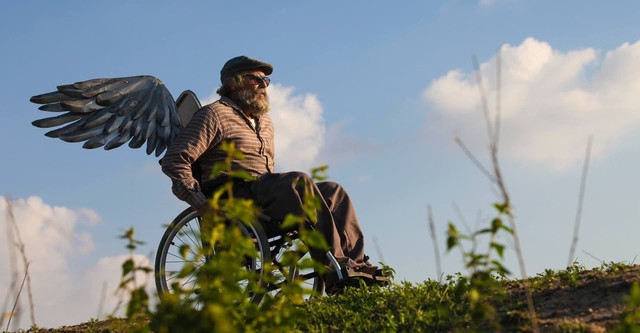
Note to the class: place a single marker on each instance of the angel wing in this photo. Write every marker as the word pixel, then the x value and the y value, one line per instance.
pixel 112 111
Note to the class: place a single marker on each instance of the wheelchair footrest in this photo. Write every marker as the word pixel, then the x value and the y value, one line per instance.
pixel 353 278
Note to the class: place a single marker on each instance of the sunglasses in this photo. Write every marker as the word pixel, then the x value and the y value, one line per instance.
pixel 258 79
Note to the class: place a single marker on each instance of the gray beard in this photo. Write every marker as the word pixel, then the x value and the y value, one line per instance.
pixel 251 104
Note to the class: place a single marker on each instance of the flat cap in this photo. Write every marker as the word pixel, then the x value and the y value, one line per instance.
pixel 243 63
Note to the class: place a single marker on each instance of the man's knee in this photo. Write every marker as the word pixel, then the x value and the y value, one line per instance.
pixel 299 179
pixel 330 186
pixel 333 192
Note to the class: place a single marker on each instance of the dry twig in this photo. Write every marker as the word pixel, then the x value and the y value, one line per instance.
pixel 495 175
pixel 436 249
pixel 583 186
pixel 15 241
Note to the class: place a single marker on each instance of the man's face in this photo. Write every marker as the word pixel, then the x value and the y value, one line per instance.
pixel 252 95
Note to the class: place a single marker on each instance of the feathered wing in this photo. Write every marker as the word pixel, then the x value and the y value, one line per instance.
pixel 110 112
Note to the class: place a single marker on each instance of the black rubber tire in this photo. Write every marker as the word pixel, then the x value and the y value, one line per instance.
pixel 185 230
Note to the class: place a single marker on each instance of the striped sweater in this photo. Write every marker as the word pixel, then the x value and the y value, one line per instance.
pixel 199 141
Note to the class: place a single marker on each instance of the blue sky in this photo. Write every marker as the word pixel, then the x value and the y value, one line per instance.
pixel 378 91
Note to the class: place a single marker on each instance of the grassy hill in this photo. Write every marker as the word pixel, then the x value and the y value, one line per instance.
pixel 572 300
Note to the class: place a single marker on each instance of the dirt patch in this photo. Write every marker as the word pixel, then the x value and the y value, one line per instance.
pixel 578 301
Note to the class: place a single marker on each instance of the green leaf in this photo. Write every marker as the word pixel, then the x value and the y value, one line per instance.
pixel 499 248
pixel 452 236
pixel 139 303
pixel 129 233
pixel 503 208
pixel 184 250
pixel 507 229
pixel 127 267
pixel 315 239
pixel 496 224
pixel 241 174
pixel 319 173
pixel 291 221
pixel 483 231
pixel 502 270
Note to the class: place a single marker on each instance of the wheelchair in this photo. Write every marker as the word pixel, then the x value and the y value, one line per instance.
pixel 182 245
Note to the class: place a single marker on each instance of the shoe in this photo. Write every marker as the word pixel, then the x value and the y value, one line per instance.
pixel 374 270
pixel 363 272
pixel 369 269
pixel 351 277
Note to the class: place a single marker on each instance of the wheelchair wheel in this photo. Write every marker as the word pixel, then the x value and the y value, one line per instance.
pixel 184 233
pixel 286 274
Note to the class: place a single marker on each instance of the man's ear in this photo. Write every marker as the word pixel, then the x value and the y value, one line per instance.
pixel 234 82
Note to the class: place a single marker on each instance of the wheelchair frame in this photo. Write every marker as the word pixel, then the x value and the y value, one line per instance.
pixel 184 231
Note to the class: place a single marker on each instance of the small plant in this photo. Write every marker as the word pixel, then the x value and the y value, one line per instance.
pixel 484 266
pixel 614 267
pixel 545 279
pixel 138 306
pixel 571 275
pixel 92 325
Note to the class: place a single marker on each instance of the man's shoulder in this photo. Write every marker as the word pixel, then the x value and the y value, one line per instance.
pixel 266 119
pixel 215 109
pixel 220 106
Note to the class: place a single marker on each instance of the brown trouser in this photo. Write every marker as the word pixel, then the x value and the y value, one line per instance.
pixel 280 194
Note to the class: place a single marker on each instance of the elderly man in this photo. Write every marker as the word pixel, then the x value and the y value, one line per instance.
pixel 241 116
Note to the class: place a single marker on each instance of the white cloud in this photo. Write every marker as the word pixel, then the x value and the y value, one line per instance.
pixel 552 101
pixel 62 294
pixel 299 127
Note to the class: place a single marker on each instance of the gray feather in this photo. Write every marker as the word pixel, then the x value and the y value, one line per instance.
pixel 136 128
pixel 51 97
pixel 98 141
pixel 90 83
pixel 175 119
pixel 108 98
pixel 126 126
pixel 53 107
pixel 81 135
pixel 98 118
pixel 138 110
pixel 70 90
pixel 164 132
pixel 113 123
pixel 81 105
pixel 126 106
pixel 118 141
pixel 162 117
pixel 66 129
pixel 56 121
pixel 137 141
pixel 151 129
pixel 110 85
pixel 160 147
pixel 152 140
